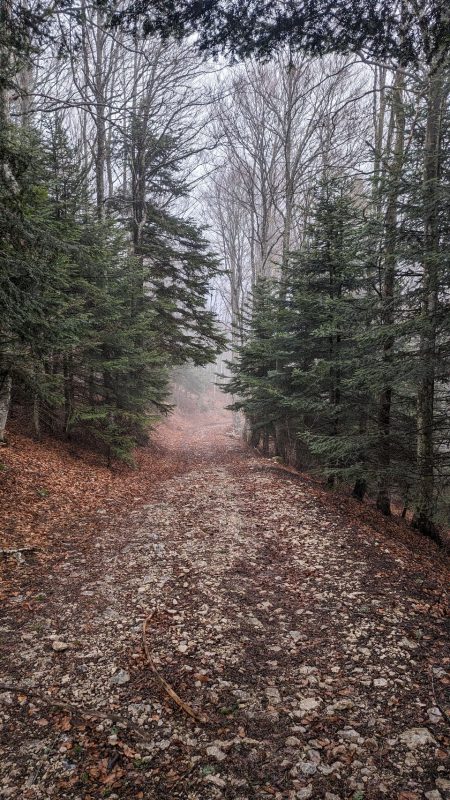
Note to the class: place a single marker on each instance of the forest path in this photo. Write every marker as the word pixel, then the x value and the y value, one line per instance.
pixel 313 643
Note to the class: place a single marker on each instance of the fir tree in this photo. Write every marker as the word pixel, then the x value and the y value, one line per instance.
pixel 255 380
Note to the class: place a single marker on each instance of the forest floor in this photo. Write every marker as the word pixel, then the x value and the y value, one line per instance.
pixel 306 632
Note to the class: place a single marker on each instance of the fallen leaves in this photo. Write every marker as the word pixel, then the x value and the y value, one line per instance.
pixel 45 484
pixel 276 624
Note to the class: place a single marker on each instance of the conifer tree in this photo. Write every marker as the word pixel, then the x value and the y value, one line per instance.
pixel 84 355
pixel 327 308
pixel 255 380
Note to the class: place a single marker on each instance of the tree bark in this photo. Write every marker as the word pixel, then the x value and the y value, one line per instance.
pixel 387 294
pixel 424 510
pixel 100 150
pixel 5 402
pixel 36 417
pixel 68 393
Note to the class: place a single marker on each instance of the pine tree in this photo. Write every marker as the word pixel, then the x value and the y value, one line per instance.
pixel 328 309
pixel 90 329
pixel 113 371
pixel 176 266
pixel 293 375
pixel 255 379
pixel 259 27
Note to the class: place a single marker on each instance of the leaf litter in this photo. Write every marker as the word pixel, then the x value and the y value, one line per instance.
pixel 296 643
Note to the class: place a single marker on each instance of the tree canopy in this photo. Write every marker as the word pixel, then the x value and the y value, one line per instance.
pixel 380 28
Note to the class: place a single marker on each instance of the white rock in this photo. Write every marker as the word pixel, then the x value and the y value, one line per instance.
pixel 292 741
pixel 121 677
pixel 215 780
pixel 433 795
pixel 439 672
pixel 408 644
pixel 308 703
pixel 417 737
pixel 216 753
pixel 444 784
pixel 59 646
pixel 307 767
pixel 434 715
pixel 340 705
pixel 305 793
pixel 330 796
pixel 273 694
pixel 314 756
pixel 164 744
pixel 295 635
pixel 349 734
pixel 380 683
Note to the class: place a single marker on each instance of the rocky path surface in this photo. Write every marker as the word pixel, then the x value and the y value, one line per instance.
pixel 312 644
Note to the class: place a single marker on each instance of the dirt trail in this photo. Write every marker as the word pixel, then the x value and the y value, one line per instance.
pixel 313 642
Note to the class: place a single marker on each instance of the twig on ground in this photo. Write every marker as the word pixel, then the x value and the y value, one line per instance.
pixel 166 686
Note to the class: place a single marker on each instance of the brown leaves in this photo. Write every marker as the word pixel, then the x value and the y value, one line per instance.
pixel 279 563
pixel 200 677
pixel 101 772
pixel 64 724
pixel 128 751
pixel 47 486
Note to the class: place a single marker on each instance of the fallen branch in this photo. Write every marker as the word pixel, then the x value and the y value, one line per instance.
pixel 65 705
pixel 166 686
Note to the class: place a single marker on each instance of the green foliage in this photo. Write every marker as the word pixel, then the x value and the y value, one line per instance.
pixel 178 275
pixel 89 329
pixel 259 27
pixel 311 372
pixel 293 373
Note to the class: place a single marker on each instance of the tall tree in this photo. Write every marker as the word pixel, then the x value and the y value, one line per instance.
pixel 438 85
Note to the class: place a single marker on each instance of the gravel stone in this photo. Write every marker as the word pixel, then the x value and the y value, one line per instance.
pixel 417 737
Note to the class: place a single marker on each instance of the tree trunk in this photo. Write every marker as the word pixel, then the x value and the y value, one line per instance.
pixel 36 417
pixel 359 489
pixel 100 109
pixel 379 120
pixel 335 237
pixel 387 295
pixel 68 394
pixel 281 440
pixel 5 402
pixel 6 68
pixel 424 511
